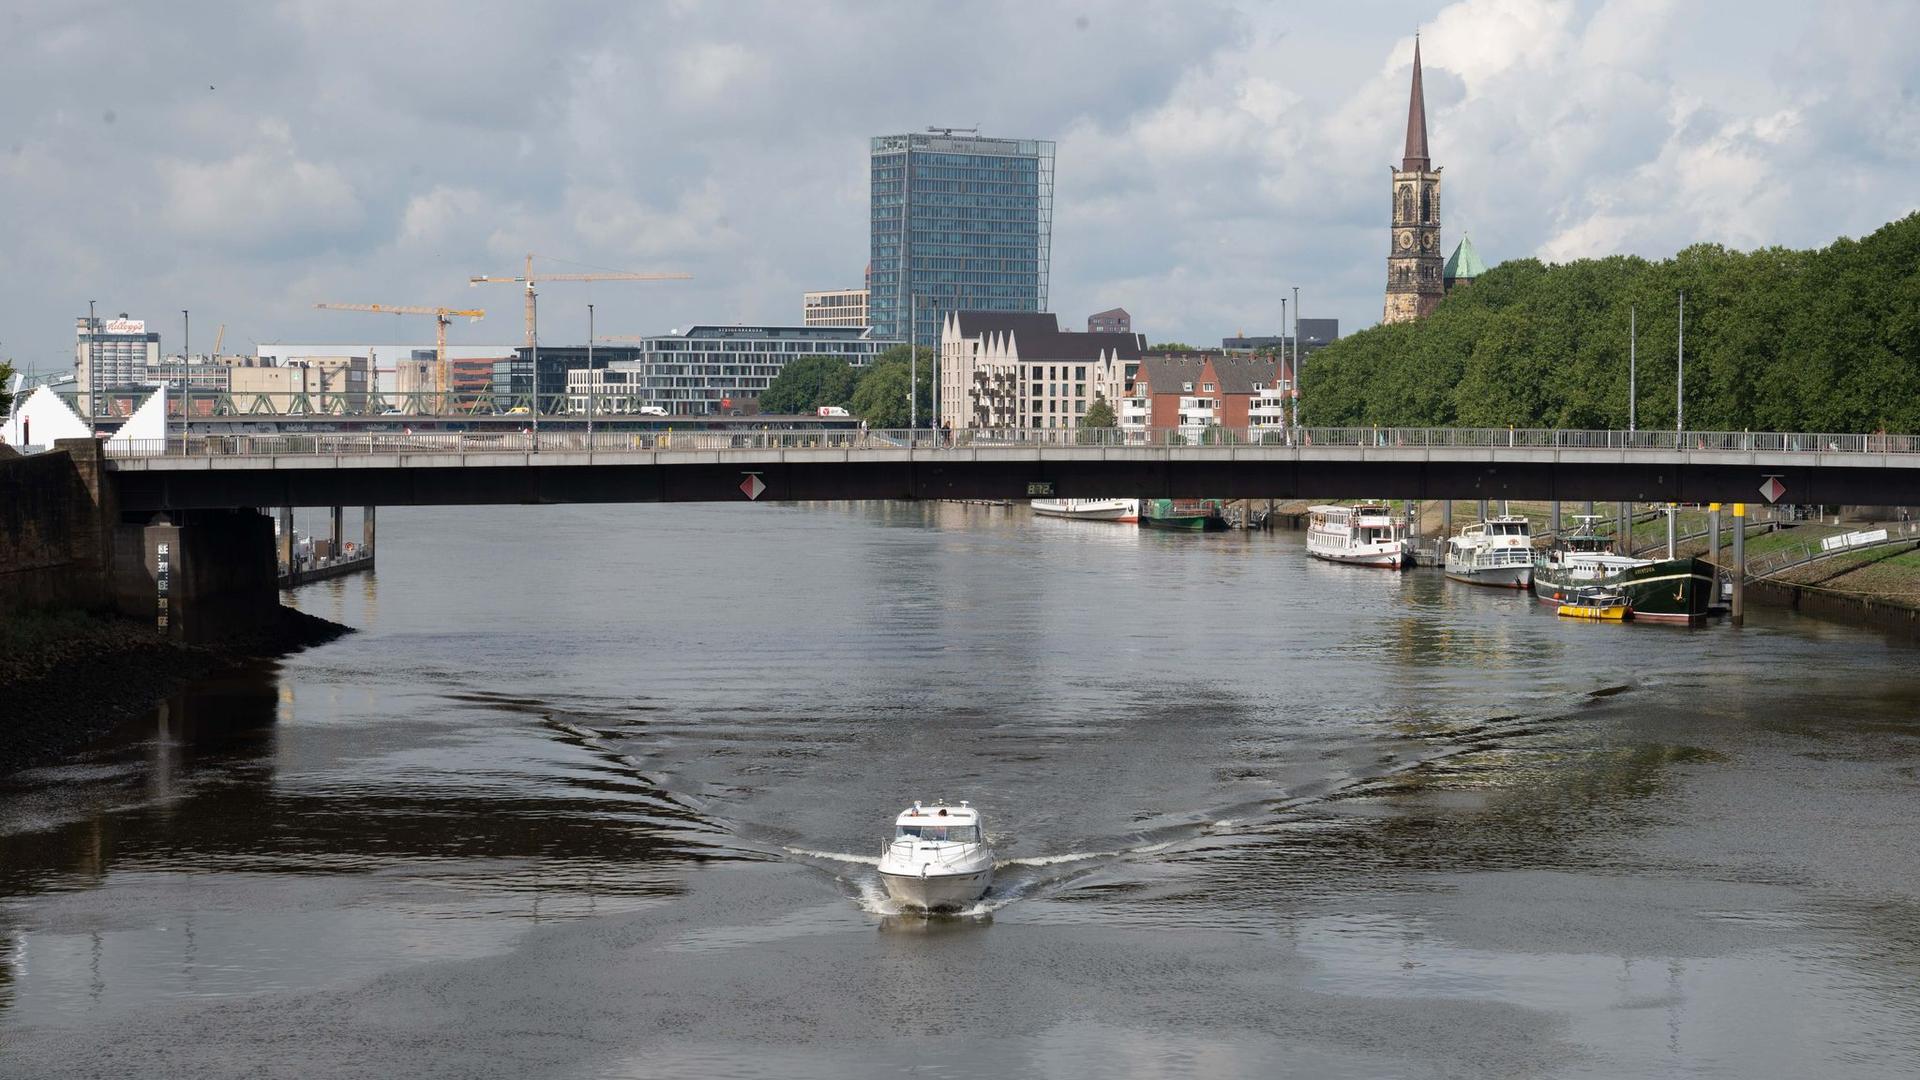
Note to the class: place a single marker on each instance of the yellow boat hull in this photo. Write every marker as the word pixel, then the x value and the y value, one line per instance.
pixel 1610 612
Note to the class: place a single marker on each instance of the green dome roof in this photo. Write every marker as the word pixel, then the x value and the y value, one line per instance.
pixel 1464 262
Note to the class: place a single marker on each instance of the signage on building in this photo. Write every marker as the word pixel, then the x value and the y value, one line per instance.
pixel 752 487
pixel 124 326
pixel 1773 489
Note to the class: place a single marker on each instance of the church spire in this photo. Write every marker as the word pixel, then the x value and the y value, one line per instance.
pixel 1416 159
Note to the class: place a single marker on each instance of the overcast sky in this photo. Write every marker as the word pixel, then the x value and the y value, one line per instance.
pixel 247 160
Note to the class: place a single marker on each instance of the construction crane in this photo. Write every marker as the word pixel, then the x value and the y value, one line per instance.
pixel 218 340
pixel 527 279
pixel 441 316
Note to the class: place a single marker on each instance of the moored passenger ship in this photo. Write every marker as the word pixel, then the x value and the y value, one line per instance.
pixel 1657 590
pixel 1496 552
pixel 1367 534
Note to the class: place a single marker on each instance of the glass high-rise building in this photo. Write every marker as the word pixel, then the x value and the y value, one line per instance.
pixel 961 222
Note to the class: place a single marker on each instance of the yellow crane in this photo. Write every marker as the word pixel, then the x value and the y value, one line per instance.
pixel 219 339
pixel 441 316
pixel 528 280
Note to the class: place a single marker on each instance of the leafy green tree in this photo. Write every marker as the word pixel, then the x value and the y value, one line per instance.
pixel 888 376
pixel 1823 340
pixel 1100 414
pixel 1171 347
pixel 6 397
pixel 1215 435
pixel 809 382
pixel 881 398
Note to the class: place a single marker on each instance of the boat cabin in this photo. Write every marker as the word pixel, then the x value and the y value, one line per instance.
pixel 940 822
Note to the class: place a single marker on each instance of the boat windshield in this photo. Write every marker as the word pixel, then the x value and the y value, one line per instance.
pixel 964 834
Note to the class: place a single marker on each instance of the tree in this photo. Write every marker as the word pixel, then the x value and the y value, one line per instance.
pixel 890 366
pixel 881 398
pixel 1171 346
pixel 1100 414
pixel 809 382
pixel 6 396
pixel 1824 340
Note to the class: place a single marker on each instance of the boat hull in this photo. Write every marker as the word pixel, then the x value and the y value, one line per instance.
pixel 1383 560
pixel 1121 511
pixel 938 892
pixel 1669 590
pixel 1493 577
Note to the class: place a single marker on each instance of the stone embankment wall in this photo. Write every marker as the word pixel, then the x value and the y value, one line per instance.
pixel 55 534
pixel 1877 612
pixel 64 545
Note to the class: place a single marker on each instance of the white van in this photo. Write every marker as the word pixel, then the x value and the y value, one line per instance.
pixel 653 410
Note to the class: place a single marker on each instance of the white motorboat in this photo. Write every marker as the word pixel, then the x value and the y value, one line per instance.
pixel 938 859
pixel 1125 511
pixel 1367 534
pixel 1496 552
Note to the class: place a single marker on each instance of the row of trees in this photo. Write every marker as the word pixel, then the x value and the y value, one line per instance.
pixel 1776 339
pixel 876 393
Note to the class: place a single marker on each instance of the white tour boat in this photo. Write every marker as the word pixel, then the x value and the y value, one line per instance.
pixel 1126 511
pixel 938 859
pixel 1496 552
pixel 1364 535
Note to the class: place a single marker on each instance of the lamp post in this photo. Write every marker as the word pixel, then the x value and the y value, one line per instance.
pixel 589 378
pixel 1296 356
pixel 93 370
pixel 186 373
pixel 1680 374
pixel 1633 363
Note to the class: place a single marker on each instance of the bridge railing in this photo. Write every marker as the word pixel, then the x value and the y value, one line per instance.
pixel 526 440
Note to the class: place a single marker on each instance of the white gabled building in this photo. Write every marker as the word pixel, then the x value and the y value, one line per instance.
pixel 1020 370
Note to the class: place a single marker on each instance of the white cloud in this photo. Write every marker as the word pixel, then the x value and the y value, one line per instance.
pixel 259 197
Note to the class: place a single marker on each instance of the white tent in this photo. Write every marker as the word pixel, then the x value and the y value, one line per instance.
pixel 145 432
pixel 40 420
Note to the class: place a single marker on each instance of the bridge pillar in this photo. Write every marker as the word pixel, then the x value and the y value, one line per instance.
pixel 337 520
pixel 1553 512
pixel 1713 537
pixel 285 539
pixel 366 528
pixel 1446 518
pixel 1739 563
pixel 1623 529
pixel 1483 509
pixel 213 568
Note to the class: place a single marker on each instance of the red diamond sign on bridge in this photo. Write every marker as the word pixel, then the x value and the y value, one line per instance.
pixel 752 486
pixel 1773 489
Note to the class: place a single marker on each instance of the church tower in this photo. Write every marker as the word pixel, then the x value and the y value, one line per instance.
pixel 1413 262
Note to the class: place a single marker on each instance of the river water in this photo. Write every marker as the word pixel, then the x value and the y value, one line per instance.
pixel 596 792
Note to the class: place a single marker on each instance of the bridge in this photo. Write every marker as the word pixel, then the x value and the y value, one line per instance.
pixel 169 528
pixel 548 466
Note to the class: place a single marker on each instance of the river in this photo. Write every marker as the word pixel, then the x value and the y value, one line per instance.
pixel 596 792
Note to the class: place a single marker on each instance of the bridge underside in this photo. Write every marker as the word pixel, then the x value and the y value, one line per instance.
pixel 931 477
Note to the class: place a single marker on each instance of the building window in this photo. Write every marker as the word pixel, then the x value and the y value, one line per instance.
pixel 1207 387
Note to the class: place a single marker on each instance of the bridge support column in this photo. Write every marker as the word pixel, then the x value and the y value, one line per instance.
pixel 1446 518
pixel 366 528
pixel 1673 512
pixel 285 538
pixel 1553 517
pixel 1483 509
pixel 1713 537
pixel 1739 563
pixel 216 574
pixel 1623 529
pixel 337 520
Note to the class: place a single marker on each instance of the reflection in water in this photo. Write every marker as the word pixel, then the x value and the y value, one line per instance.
pixel 1375 822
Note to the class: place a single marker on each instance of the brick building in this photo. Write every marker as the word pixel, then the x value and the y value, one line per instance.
pixel 1190 392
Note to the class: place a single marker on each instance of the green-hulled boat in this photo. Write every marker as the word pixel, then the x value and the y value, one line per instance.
pixel 1183 515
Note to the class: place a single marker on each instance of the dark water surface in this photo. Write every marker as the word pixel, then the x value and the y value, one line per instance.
pixel 596 793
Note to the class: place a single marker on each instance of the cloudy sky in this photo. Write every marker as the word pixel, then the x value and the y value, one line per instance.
pixel 246 160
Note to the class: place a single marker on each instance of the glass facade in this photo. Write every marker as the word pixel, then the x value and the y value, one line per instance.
pixel 960 222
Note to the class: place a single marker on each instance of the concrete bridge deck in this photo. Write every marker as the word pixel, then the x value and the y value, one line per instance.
pixel 329 469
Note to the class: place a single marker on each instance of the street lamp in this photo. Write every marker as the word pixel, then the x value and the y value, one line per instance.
pixel 93 370
pixel 589 378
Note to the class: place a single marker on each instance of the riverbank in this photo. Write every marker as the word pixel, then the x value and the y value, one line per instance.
pixel 68 678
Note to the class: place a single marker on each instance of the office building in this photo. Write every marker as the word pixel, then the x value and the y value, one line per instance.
pixel 1110 321
pixel 512 374
pixel 113 354
pixel 710 370
pixel 1005 370
pixel 835 307
pixel 958 223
